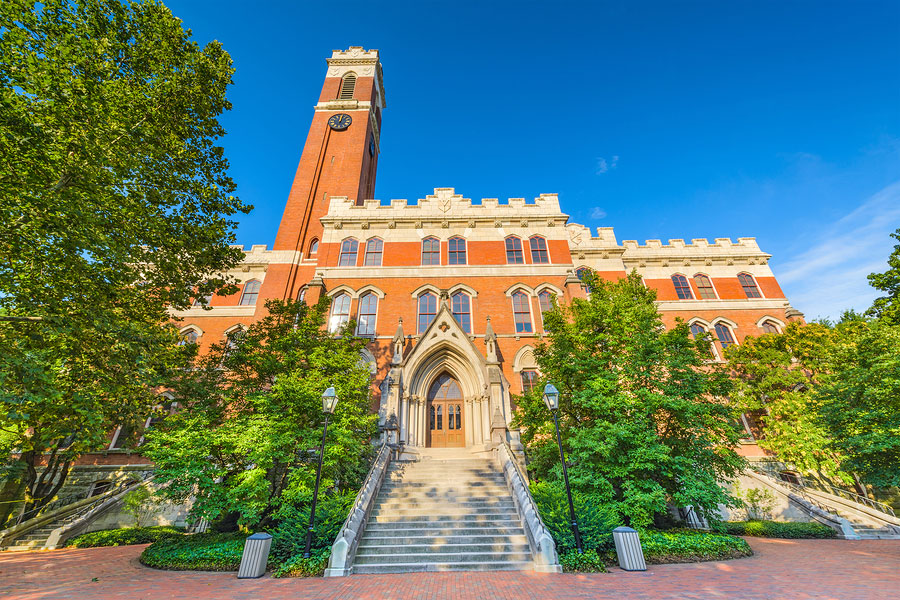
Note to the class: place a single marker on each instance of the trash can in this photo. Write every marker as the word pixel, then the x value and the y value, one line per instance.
pixel 628 549
pixel 255 556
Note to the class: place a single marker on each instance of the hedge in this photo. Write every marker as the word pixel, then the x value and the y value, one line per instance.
pixel 199 552
pixel 690 545
pixel 125 536
pixel 589 562
pixel 776 529
pixel 314 566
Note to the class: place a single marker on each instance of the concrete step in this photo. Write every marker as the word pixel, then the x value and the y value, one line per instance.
pixel 412 528
pixel 444 515
pixel 451 538
pixel 438 567
pixel 427 550
pixel 444 503
pixel 442 557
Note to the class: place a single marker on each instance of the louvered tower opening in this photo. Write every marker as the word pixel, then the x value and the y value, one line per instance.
pixel 348 84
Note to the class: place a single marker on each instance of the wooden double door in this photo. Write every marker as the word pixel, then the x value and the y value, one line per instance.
pixel 444 414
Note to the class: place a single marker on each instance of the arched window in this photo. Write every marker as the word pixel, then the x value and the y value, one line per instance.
pixel 427 310
pixel 189 336
pixel 723 332
pixel 698 331
pixel 349 247
pixel 368 310
pixel 250 293
pixel 581 273
pixel 521 312
pixel 313 247
pixel 348 84
pixel 769 326
pixel 514 255
pixel 705 287
pixel 457 248
pixel 431 251
pixel 682 287
pixel 545 299
pixel 749 285
pixel 374 248
pixel 202 300
pixel 462 311
pixel 233 338
pixel 538 250
pixel 301 295
pixel 340 312
pixel 529 379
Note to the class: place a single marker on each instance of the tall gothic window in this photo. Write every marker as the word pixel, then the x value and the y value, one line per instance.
pixel 521 312
pixel 340 312
pixel 723 332
pixel 427 310
pixel 348 84
pixel 457 249
pixel 250 293
pixel 431 251
pixel 374 249
pixel 514 255
pixel 349 248
pixel 705 286
pixel 769 326
pixel 538 250
pixel 749 285
pixel 461 309
pixel 529 379
pixel 698 331
pixel 682 287
pixel 368 310
pixel 545 299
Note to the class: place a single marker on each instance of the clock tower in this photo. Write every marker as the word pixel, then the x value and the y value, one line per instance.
pixel 339 159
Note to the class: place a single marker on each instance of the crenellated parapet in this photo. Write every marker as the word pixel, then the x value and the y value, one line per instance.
pixel 721 256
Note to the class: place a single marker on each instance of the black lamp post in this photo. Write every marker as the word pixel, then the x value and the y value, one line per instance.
pixel 551 399
pixel 329 401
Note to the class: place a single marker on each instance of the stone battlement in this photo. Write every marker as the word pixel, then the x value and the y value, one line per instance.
pixel 743 243
pixel 445 202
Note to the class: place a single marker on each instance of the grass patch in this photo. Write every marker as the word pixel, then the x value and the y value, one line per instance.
pixel 199 552
pixel 776 529
pixel 126 536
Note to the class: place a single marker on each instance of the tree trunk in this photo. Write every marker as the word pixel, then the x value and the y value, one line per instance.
pixel 40 491
pixel 860 487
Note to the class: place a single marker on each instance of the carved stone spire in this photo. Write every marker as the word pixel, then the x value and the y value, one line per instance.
pixel 490 340
pixel 399 338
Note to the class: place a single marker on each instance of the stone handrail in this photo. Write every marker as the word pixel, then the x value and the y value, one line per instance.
pixel 343 550
pixel 543 549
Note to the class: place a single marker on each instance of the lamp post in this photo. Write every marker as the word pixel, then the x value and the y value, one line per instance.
pixel 551 399
pixel 329 401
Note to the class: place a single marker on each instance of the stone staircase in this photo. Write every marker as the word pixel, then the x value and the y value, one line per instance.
pixel 448 511
pixel 37 538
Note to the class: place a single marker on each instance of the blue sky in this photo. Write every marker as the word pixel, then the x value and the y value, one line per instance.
pixel 779 120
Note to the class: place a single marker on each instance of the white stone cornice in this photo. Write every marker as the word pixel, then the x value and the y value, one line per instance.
pixel 776 304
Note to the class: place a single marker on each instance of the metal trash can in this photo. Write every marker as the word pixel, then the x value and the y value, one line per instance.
pixel 255 556
pixel 628 549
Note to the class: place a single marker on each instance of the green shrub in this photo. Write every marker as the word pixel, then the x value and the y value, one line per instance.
pixel 595 521
pixel 314 566
pixel 199 552
pixel 690 545
pixel 125 536
pixel 776 529
pixel 589 562
pixel 289 536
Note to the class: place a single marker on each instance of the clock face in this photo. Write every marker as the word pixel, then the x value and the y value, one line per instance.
pixel 339 122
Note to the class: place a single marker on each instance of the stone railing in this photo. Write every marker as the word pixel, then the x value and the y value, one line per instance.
pixel 343 550
pixel 543 549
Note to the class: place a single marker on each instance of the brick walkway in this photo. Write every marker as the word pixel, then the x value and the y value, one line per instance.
pixel 794 569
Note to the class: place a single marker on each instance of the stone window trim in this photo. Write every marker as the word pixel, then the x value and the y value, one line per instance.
pixel 540 255
pixel 250 293
pixel 522 312
pixel 461 309
pixel 515 255
pixel 354 294
pixel 367 315
pixel 751 288
pixel 705 287
pixel 724 333
pixel 682 287
pixel 426 310
pixel 340 311
pixel 777 324
pixel 189 334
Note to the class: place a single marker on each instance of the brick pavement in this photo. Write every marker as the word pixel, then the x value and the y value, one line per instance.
pixel 789 569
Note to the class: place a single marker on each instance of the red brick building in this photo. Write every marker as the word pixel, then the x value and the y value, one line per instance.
pixel 450 291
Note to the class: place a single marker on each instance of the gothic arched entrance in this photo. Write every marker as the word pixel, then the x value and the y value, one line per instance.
pixel 444 414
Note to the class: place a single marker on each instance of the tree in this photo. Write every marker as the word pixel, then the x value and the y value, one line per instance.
pixel 644 419
pixel 247 438
pixel 888 307
pixel 114 206
pixel 779 375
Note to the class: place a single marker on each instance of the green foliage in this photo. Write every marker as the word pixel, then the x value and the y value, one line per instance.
pixel 643 417
pixel 595 520
pixel 777 529
pixel 248 438
pixel 589 562
pixel 139 504
pixel 690 545
pixel 289 536
pixel 757 502
pixel 314 566
pixel 199 552
pixel 125 536
pixel 887 308
pixel 110 176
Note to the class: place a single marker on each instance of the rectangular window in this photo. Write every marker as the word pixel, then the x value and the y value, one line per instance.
pixel 514 254
pixel 374 249
pixel 431 251
pixel 539 250
pixel 529 379
pixel 521 312
pixel 457 251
